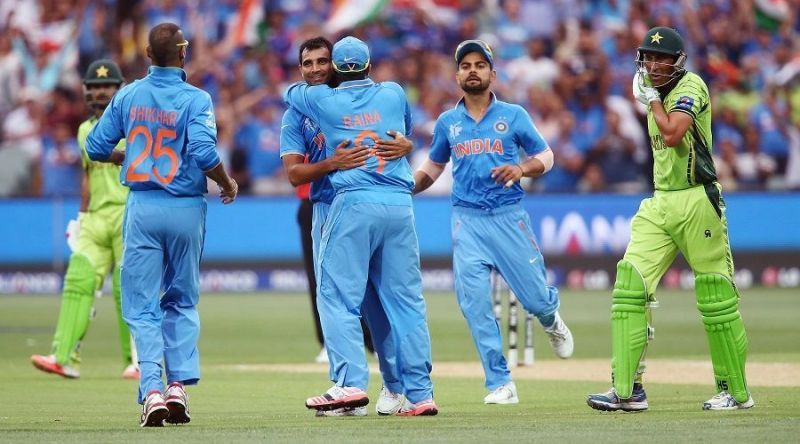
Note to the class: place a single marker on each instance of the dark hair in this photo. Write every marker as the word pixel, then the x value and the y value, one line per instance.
pixel 347 76
pixel 314 43
pixel 164 47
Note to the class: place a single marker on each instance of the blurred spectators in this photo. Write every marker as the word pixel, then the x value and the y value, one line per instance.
pixel 569 62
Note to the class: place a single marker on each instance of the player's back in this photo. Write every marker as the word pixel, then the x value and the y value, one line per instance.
pixel 363 111
pixel 171 133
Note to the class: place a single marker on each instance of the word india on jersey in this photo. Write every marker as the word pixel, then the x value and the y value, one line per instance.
pixel 149 114
pixel 478 146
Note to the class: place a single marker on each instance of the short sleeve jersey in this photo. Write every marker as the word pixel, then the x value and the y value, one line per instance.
pixel 689 164
pixel 505 131
pixel 104 186
pixel 301 135
pixel 170 131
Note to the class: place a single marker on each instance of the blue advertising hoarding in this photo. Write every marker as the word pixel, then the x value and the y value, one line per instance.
pixel 265 230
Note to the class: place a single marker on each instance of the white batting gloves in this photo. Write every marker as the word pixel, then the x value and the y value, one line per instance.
pixel 644 94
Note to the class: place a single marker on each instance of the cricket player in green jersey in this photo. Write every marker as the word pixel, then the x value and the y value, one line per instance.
pixel 95 239
pixel 686 214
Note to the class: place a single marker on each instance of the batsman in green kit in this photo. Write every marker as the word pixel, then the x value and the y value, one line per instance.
pixel 95 239
pixel 686 214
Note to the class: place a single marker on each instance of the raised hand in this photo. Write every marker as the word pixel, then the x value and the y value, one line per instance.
pixel 641 92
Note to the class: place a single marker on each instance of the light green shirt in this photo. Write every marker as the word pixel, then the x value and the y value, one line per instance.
pixel 688 164
pixel 105 188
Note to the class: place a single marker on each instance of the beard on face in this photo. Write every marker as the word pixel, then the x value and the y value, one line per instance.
pixel 480 87
pixel 98 103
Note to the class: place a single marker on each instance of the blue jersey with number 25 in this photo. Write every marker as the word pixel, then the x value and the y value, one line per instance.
pixel 170 130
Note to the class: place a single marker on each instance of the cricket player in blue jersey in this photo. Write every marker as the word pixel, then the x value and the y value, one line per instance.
pixel 302 139
pixel 171 148
pixel 369 235
pixel 491 231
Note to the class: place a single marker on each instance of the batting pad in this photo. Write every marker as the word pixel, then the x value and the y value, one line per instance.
pixel 76 305
pixel 628 327
pixel 718 303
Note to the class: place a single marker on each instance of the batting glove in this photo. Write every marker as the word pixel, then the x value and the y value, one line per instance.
pixel 644 94
pixel 73 230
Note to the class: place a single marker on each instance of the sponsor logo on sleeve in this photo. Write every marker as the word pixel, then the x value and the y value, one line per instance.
pixel 685 103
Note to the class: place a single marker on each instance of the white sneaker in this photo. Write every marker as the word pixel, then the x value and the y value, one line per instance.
pixel 725 401
pixel 178 404
pixel 154 410
pixel 505 394
pixel 389 403
pixel 322 357
pixel 560 338
pixel 347 411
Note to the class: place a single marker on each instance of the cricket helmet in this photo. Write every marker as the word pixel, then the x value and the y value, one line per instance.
pixel 663 40
pixel 102 72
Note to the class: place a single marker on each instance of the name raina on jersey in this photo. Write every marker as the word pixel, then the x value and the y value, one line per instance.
pixel 361 119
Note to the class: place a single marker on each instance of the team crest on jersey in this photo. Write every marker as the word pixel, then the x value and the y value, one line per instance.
pixel 685 103
pixel 501 127
pixel 455 130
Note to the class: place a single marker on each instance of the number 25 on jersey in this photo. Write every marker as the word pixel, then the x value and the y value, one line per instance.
pixel 153 152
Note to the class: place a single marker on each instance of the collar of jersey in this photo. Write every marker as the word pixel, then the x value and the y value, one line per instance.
pixel 166 72
pixel 460 105
pixel 355 83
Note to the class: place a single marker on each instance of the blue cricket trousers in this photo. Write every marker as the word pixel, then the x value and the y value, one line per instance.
pixel 502 240
pixel 162 244
pixel 370 237
pixel 371 309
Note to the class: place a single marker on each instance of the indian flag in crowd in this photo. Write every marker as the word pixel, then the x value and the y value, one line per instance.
pixel 347 14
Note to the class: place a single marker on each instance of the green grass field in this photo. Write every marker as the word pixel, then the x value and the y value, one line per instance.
pixel 265 404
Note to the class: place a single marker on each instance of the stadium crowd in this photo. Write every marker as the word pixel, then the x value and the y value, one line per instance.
pixel 569 62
